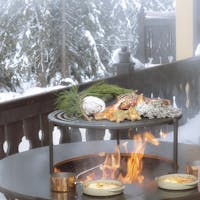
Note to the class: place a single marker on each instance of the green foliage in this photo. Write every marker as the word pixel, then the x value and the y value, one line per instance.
pixel 104 91
pixel 69 101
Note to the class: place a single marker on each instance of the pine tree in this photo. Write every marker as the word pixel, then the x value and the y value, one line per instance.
pixel 71 38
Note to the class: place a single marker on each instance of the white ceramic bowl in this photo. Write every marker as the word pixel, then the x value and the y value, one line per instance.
pixel 103 187
pixel 177 181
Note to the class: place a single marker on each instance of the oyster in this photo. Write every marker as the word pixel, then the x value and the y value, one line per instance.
pixel 92 105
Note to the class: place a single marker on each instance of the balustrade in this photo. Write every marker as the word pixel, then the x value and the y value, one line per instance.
pixel 27 117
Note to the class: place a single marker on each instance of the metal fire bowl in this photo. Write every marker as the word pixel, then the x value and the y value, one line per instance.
pixel 153 166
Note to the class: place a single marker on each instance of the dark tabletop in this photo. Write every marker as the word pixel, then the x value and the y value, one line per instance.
pixel 26 175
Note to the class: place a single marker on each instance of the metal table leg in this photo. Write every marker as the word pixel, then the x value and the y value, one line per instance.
pixel 51 147
pixel 118 138
pixel 175 149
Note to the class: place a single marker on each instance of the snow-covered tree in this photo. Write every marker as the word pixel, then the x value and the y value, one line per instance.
pixel 41 39
pixel 83 29
pixel 27 43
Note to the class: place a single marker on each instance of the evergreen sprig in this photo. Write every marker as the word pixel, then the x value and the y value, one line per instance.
pixel 104 91
pixel 69 101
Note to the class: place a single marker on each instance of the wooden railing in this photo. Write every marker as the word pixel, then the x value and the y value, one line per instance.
pixel 179 81
pixel 28 116
pixel 157 38
pixel 25 117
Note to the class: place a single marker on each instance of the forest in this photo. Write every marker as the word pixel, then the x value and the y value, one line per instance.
pixel 43 42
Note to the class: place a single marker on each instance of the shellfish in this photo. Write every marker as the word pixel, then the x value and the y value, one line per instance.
pixel 92 105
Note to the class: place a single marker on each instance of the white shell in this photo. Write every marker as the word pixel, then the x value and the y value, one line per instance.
pixel 92 105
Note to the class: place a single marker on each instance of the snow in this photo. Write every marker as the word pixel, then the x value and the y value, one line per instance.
pixel 115 59
pixel 188 133
pixel 124 4
pixel 2 197
pixel 38 90
pixel 101 71
pixel 30 88
pixel 115 56
pixel 166 14
pixel 137 5
pixel 197 51
pixel 6 96
pixel 28 33
pixel 91 40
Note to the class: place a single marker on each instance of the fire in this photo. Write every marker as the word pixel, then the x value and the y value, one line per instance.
pixel 111 164
pixel 134 165
pixel 56 170
pixel 140 99
pixel 163 134
pixel 91 177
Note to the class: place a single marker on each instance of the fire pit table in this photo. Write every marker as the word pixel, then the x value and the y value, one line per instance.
pixel 26 175
pixel 60 118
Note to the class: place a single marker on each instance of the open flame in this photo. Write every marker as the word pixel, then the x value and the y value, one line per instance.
pixel 163 134
pixel 112 163
pixel 128 170
pixel 56 170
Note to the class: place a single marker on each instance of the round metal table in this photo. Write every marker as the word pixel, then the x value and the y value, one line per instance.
pixel 26 175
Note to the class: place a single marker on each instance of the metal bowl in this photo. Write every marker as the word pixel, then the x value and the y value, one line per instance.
pixel 62 182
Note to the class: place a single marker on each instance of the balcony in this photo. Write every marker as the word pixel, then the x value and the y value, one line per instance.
pixel 178 81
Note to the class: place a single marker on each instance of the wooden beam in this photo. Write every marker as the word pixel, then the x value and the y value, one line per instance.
pixel 184 29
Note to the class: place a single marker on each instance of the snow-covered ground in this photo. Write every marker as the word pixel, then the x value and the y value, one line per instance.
pixel 6 96
pixel 29 89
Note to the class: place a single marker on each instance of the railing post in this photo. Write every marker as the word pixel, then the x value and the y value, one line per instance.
pixel 141 31
pixel 125 66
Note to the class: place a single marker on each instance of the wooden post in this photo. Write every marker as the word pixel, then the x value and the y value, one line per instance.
pixel 140 51
pixel 124 66
pixel 184 29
